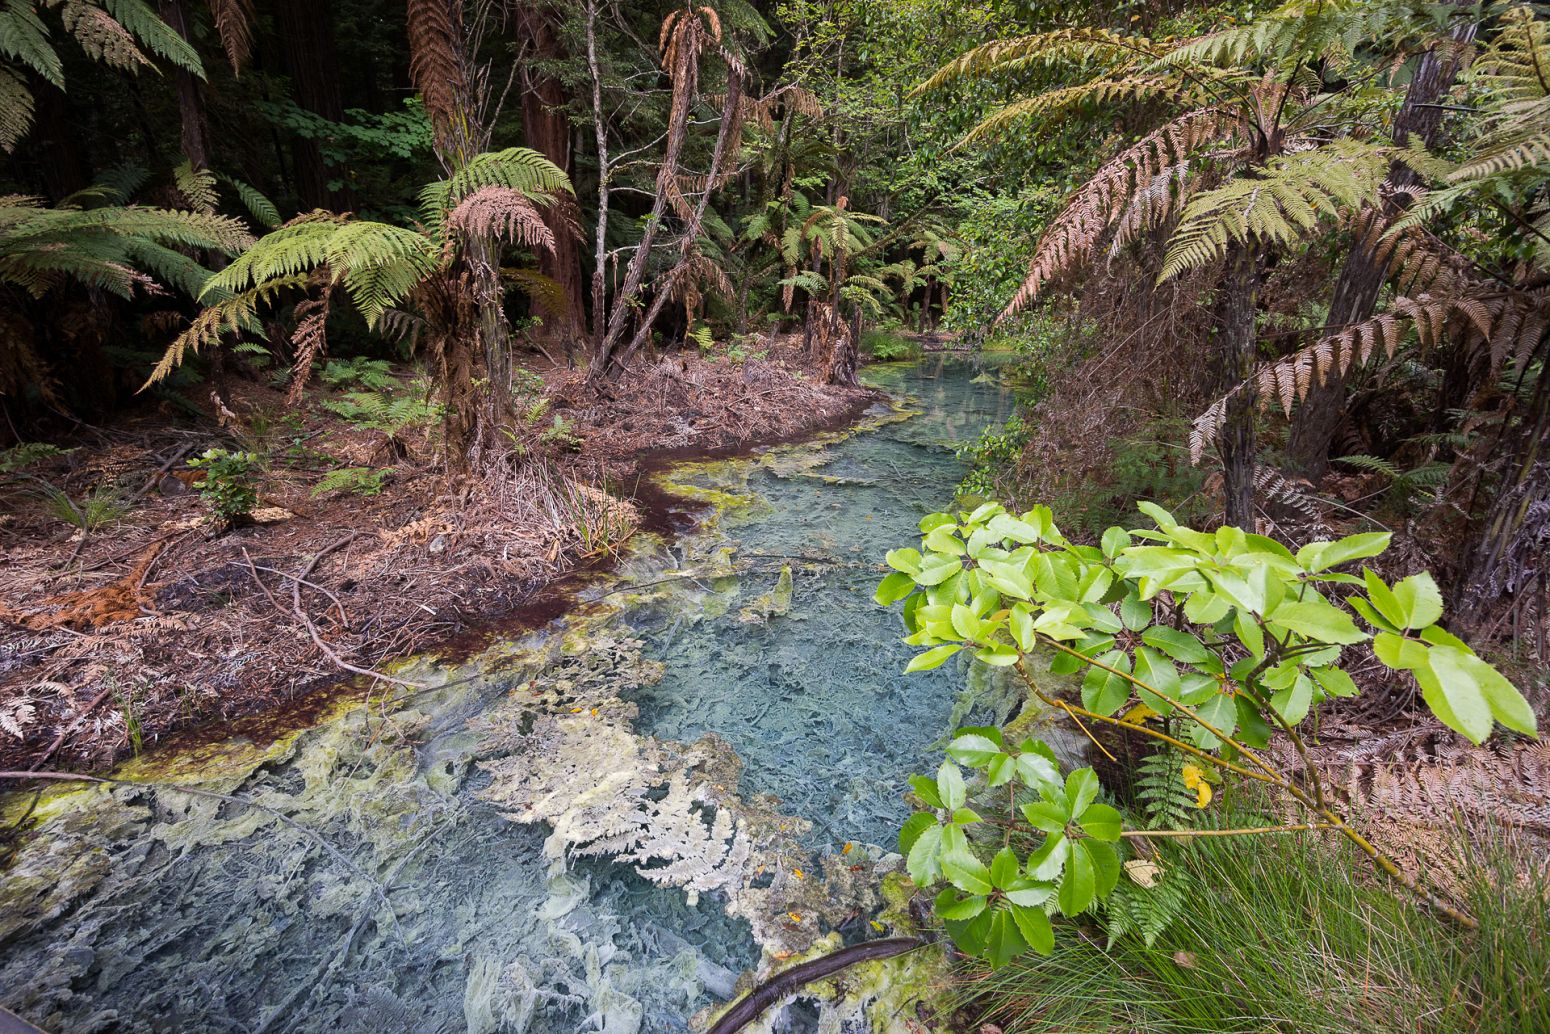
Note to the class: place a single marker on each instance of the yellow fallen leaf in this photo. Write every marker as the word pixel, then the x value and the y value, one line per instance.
pixel 796 917
pixel 594 712
pixel 1195 779
pixel 1138 714
pixel 847 848
pixel 575 710
pixel 879 927
pixel 797 873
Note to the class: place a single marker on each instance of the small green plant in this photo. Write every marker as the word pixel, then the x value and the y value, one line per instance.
pixel 230 483
pixel 26 454
pixel 993 456
pixel 562 433
pixel 371 374
pixel 101 506
pixel 390 414
pixel 362 481
pixel 1406 487
pixel 1225 637
pixel 703 337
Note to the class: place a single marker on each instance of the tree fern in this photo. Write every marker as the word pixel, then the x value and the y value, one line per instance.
pixel 383 268
pixel 1277 204
pixel 1083 45
pixel 112 32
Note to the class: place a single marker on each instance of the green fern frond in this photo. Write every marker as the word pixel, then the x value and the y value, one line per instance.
pixel 1170 87
pixel 154 34
pixel 1372 464
pixel 1277 203
pixel 197 186
pixel 15 109
pixel 999 57
pixel 516 168
pixel 1134 910
pixel 1329 31
pixel 1159 787
pixel 258 206
pixel 24 38
pixel 229 315
pixel 813 283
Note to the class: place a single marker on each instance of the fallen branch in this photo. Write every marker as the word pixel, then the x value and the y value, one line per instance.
pixel 748 1008
pixel 59 741
pixel 297 580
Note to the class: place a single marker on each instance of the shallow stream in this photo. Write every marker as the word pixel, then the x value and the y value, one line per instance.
pixel 600 826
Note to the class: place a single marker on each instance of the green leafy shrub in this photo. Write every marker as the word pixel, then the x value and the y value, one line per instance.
pixel 992 458
pixel 230 482
pixel 363 481
pixel 1228 636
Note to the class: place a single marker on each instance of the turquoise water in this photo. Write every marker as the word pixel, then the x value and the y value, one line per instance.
pixel 377 891
pixel 814 700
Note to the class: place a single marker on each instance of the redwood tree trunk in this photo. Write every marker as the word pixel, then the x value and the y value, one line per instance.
pixel 312 58
pixel 548 131
pixel 1235 353
pixel 1361 280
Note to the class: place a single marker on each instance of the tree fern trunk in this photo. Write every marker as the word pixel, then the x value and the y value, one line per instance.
pixel 1361 279
pixel 548 131
pixel 1235 355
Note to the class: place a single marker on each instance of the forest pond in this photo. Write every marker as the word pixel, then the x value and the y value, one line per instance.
pixel 596 827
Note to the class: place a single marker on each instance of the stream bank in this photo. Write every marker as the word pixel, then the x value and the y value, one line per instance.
pixel 612 823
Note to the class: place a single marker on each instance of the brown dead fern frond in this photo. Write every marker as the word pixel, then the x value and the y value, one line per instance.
pixel 234 26
pixel 436 59
pixel 502 213
pixel 1107 196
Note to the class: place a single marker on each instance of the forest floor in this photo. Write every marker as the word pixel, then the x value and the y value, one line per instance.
pixel 158 620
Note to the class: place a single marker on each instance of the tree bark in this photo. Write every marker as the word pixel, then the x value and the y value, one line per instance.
pixel 1361 279
pixel 548 131
pixel 195 129
pixel 312 58
pixel 1235 357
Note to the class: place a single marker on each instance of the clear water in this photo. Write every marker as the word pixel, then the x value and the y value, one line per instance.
pixel 375 892
pixel 814 700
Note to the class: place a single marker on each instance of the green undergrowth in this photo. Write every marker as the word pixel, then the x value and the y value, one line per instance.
pixel 887 346
pixel 1288 934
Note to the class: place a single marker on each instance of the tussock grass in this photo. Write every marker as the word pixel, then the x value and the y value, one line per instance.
pixel 1287 934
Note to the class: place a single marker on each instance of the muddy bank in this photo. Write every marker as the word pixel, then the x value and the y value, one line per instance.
pixel 155 623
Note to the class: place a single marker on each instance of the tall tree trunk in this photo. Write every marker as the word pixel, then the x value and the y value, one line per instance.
pixel 1361 279
pixel 312 58
pixel 443 72
pixel 600 137
pixel 1235 353
pixel 195 135
pixel 548 131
